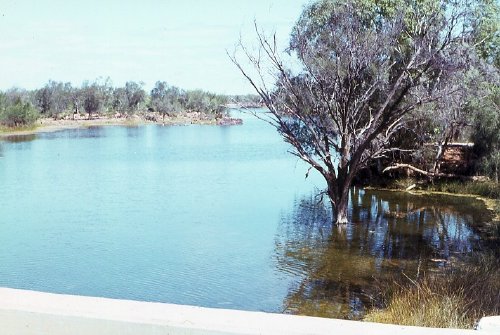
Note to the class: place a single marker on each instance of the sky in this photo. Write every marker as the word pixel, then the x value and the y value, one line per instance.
pixel 182 42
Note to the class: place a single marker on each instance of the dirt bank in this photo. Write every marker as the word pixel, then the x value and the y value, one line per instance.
pixel 51 125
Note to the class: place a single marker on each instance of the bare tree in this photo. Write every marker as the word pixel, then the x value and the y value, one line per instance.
pixel 354 79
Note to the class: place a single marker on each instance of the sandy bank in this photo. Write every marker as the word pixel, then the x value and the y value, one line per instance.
pixel 50 125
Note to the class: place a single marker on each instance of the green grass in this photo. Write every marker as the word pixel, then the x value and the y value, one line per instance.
pixel 487 189
pixel 457 298
pixel 13 130
pixel 6 129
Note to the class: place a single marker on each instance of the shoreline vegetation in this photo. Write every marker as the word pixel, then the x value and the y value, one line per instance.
pixel 60 105
pixel 459 295
pixel 484 189
pixel 48 124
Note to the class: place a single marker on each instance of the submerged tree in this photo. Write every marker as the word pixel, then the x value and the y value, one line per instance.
pixel 357 72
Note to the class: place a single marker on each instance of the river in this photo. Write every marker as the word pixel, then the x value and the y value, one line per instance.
pixel 210 216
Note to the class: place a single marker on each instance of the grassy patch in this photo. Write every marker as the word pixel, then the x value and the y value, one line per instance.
pixel 487 189
pixel 6 129
pixel 455 298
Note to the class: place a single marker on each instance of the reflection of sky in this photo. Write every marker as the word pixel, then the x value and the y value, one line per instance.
pixel 391 233
pixel 182 42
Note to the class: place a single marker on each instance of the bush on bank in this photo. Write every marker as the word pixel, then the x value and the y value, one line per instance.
pixel 456 298
pixel 17 113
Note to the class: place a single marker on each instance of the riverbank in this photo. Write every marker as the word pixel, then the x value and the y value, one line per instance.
pixel 50 125
pixel 458 296
pixel 448 299
pixel 485 190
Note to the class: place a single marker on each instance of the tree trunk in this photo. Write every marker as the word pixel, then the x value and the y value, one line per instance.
pixel 338 192
pixel 439 155
pixel 341 215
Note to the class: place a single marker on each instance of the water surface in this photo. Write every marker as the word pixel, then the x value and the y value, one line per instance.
pixel 208 216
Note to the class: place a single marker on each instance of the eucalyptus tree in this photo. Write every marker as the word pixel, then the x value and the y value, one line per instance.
pixel 206 102
pixel 62 98
pixel 486 126
pixel 119 102
pixel 135 95
pixel 353 72
pixel 196 100
pixel 468 96
pixel 485 24
pixel 486 103
pixel 54 98
pixel 92 99
pixel 44 99
pixel 165 99
pixel 103 88
pixel 16 110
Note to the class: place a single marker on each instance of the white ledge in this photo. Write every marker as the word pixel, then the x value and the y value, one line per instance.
pixel 29 313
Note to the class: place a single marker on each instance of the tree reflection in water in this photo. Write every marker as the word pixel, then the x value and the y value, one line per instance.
pixel 341 271
pixel 19 142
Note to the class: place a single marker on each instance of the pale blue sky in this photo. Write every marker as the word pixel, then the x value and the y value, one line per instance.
pixel 183 42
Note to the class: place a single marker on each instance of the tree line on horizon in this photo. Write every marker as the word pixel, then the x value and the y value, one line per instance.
pixel 20 107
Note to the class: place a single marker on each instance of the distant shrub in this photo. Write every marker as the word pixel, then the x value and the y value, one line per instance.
pixel 17 114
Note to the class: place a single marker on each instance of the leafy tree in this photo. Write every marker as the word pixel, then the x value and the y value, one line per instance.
pixel 450 117
pixel 486 128
pixel 485 103
pixel 119 102
pixel 196 100
pixel 92 99
pixel 54 98
pixel 62 98
pixel 356 75
pixel 464 95
pixel 44 99
pixel 103 89
pixel 217 105
pixel 134 94
pixel 14 94
pixel 16 114
pixel 485 24
pixel 205 102
pixel 166 99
